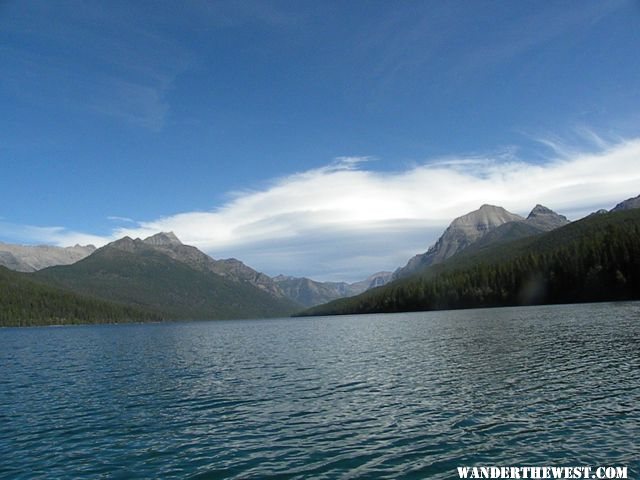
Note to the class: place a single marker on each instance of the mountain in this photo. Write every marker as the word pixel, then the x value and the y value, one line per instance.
pixel 593 259
pixel 230 268
pixel 302 291
pixel 161 274
pixel 236 270
pixel 545 219
pixel 485 226
pixel 309 293
pixel 461 233
pixel 25 302
pixel 27 258
pixel 163 239
pixel 376 280
pixel 540 220
pixel 628 204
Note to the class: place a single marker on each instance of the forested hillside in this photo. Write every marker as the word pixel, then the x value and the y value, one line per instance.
pixel 149 279
pixel 24 302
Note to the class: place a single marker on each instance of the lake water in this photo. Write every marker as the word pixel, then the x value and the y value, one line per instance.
pixel 373 396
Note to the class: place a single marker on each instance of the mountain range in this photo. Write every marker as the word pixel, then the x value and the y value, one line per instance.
pixel 161 274
pixel 301 291
pixel 308 292
pixel 541 259
pixel 161 278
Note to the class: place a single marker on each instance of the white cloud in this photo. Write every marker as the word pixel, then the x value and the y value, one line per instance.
pixel 345 220
pixel 31 235
pixel 116 218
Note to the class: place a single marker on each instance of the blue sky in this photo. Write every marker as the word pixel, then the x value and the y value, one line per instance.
pixel 326 139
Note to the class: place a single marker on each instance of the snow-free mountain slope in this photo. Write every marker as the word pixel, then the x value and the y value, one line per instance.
pixel 461 233
pixel 628 204
pixel 165 276
pixel 29 258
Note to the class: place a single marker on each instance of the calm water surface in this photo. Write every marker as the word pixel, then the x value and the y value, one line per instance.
pixel 375 396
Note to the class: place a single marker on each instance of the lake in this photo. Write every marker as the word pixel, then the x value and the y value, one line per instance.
pixel 373 396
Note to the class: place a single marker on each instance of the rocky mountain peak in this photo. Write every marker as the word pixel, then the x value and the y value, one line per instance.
pixel 125 243
pixel 163 239
pixel 545 219
pixel 483 219
pixel 461 233
pixel 540 210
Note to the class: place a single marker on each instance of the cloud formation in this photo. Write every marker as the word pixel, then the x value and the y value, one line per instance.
pixel 345 220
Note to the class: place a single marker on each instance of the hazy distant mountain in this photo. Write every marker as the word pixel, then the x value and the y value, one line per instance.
pixel 461 233
pixel 309 292
pixel 376 280
pixel 164 275
pixel 27 258
pixel 628 204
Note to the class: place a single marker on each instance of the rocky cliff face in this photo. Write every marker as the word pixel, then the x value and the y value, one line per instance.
pixel 461 233
pixel 25 258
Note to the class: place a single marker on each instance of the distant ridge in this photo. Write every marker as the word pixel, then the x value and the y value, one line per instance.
pixel 309 292
pixel 28 258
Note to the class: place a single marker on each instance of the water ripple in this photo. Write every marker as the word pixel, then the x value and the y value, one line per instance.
pixel 382 396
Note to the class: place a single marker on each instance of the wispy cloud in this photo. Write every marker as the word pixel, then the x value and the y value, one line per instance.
pixel 94 59
pixel 115 218
pixel 346 220
pixel 528 32
pixel 35 235
pixel 427 44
